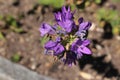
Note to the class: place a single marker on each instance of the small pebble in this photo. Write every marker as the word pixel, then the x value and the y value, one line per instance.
pixel 98 77
pixel 33 66
pixel 106 79
pixel 86 76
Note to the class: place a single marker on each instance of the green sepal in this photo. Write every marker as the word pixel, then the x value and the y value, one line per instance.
pixel 44 39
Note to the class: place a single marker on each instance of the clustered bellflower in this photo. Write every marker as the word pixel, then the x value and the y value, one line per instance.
pixel 67 40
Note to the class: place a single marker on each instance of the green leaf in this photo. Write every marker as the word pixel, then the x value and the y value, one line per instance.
pixel 110 16
pixel 107 14
pixel 116 30
pixel 73 6
pixel 11 21
pixel 9 18
pixel 1 36
pixel 14 23
pixel 98 1
pixel 87 3
pixel 54 3
pixel 45 2
pixel 16 58
pixel 101 13
pixel 16 29
pixel 1 17
pixel 44 39
pixel 116 0
pixel 57 3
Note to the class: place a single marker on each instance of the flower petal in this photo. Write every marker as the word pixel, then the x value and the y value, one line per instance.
pixel 86 42
pixel 45 29
pixel 80 20
pixel 49 52
pixel 70 58
pixel 58 49
pixel 84 50
pixel 58 39
pixel 58 16
pixel 74 47
pixel 79 53
pixel 84 26
pixel 64 9
pixel 50 44
pixel 67 25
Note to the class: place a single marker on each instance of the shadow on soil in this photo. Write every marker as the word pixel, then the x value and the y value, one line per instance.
pixel 107 31
pixel 98 64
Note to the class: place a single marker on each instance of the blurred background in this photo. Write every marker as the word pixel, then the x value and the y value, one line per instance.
pixel 20 40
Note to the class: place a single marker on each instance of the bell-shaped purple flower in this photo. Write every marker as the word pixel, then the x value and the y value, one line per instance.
pixel 55 47
pixel 80 47
pixel 65 19
pixel 58 16
pixel 66 41
pixel 83 28
pixel 67 25
pixel 58 39
pixel 58 49
pixel 80 20
pixel 50 44
pixel 46 29
pixel 81 34
pixel 67 13
pixel 70 58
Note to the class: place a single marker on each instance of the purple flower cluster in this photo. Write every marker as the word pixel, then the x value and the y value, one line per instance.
pixel 67 40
